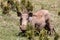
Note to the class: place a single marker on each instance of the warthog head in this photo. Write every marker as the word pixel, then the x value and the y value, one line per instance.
pixel 24 18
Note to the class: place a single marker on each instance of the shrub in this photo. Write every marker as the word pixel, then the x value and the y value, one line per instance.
pixel 30 32
pixel 43 35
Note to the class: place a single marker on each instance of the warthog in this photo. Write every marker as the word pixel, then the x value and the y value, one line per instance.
pixel 39 20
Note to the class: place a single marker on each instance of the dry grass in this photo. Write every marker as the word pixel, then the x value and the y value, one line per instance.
pixel 9 25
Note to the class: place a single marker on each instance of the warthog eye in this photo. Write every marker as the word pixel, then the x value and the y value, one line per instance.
pixel 21 21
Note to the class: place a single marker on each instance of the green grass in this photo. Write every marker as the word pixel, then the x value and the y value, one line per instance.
pixel 9 25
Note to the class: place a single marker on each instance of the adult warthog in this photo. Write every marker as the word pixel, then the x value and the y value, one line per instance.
pixel 39 20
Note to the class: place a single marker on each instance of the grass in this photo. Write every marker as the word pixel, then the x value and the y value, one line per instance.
pixel 9 25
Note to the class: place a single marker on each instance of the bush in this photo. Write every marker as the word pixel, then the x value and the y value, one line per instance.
pixel 30 32
pixel 43 35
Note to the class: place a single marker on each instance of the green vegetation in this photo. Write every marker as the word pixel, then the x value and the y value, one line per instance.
pixel 9 24
pixel 43 35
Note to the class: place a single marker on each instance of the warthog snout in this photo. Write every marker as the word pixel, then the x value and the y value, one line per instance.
pixel 23 27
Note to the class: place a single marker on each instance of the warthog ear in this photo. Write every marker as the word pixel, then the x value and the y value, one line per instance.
pixel 30 14
pixel 19 14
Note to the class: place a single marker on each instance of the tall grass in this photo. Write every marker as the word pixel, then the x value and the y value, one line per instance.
pixel 11 25
pixel 43 35
pixel 31 33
